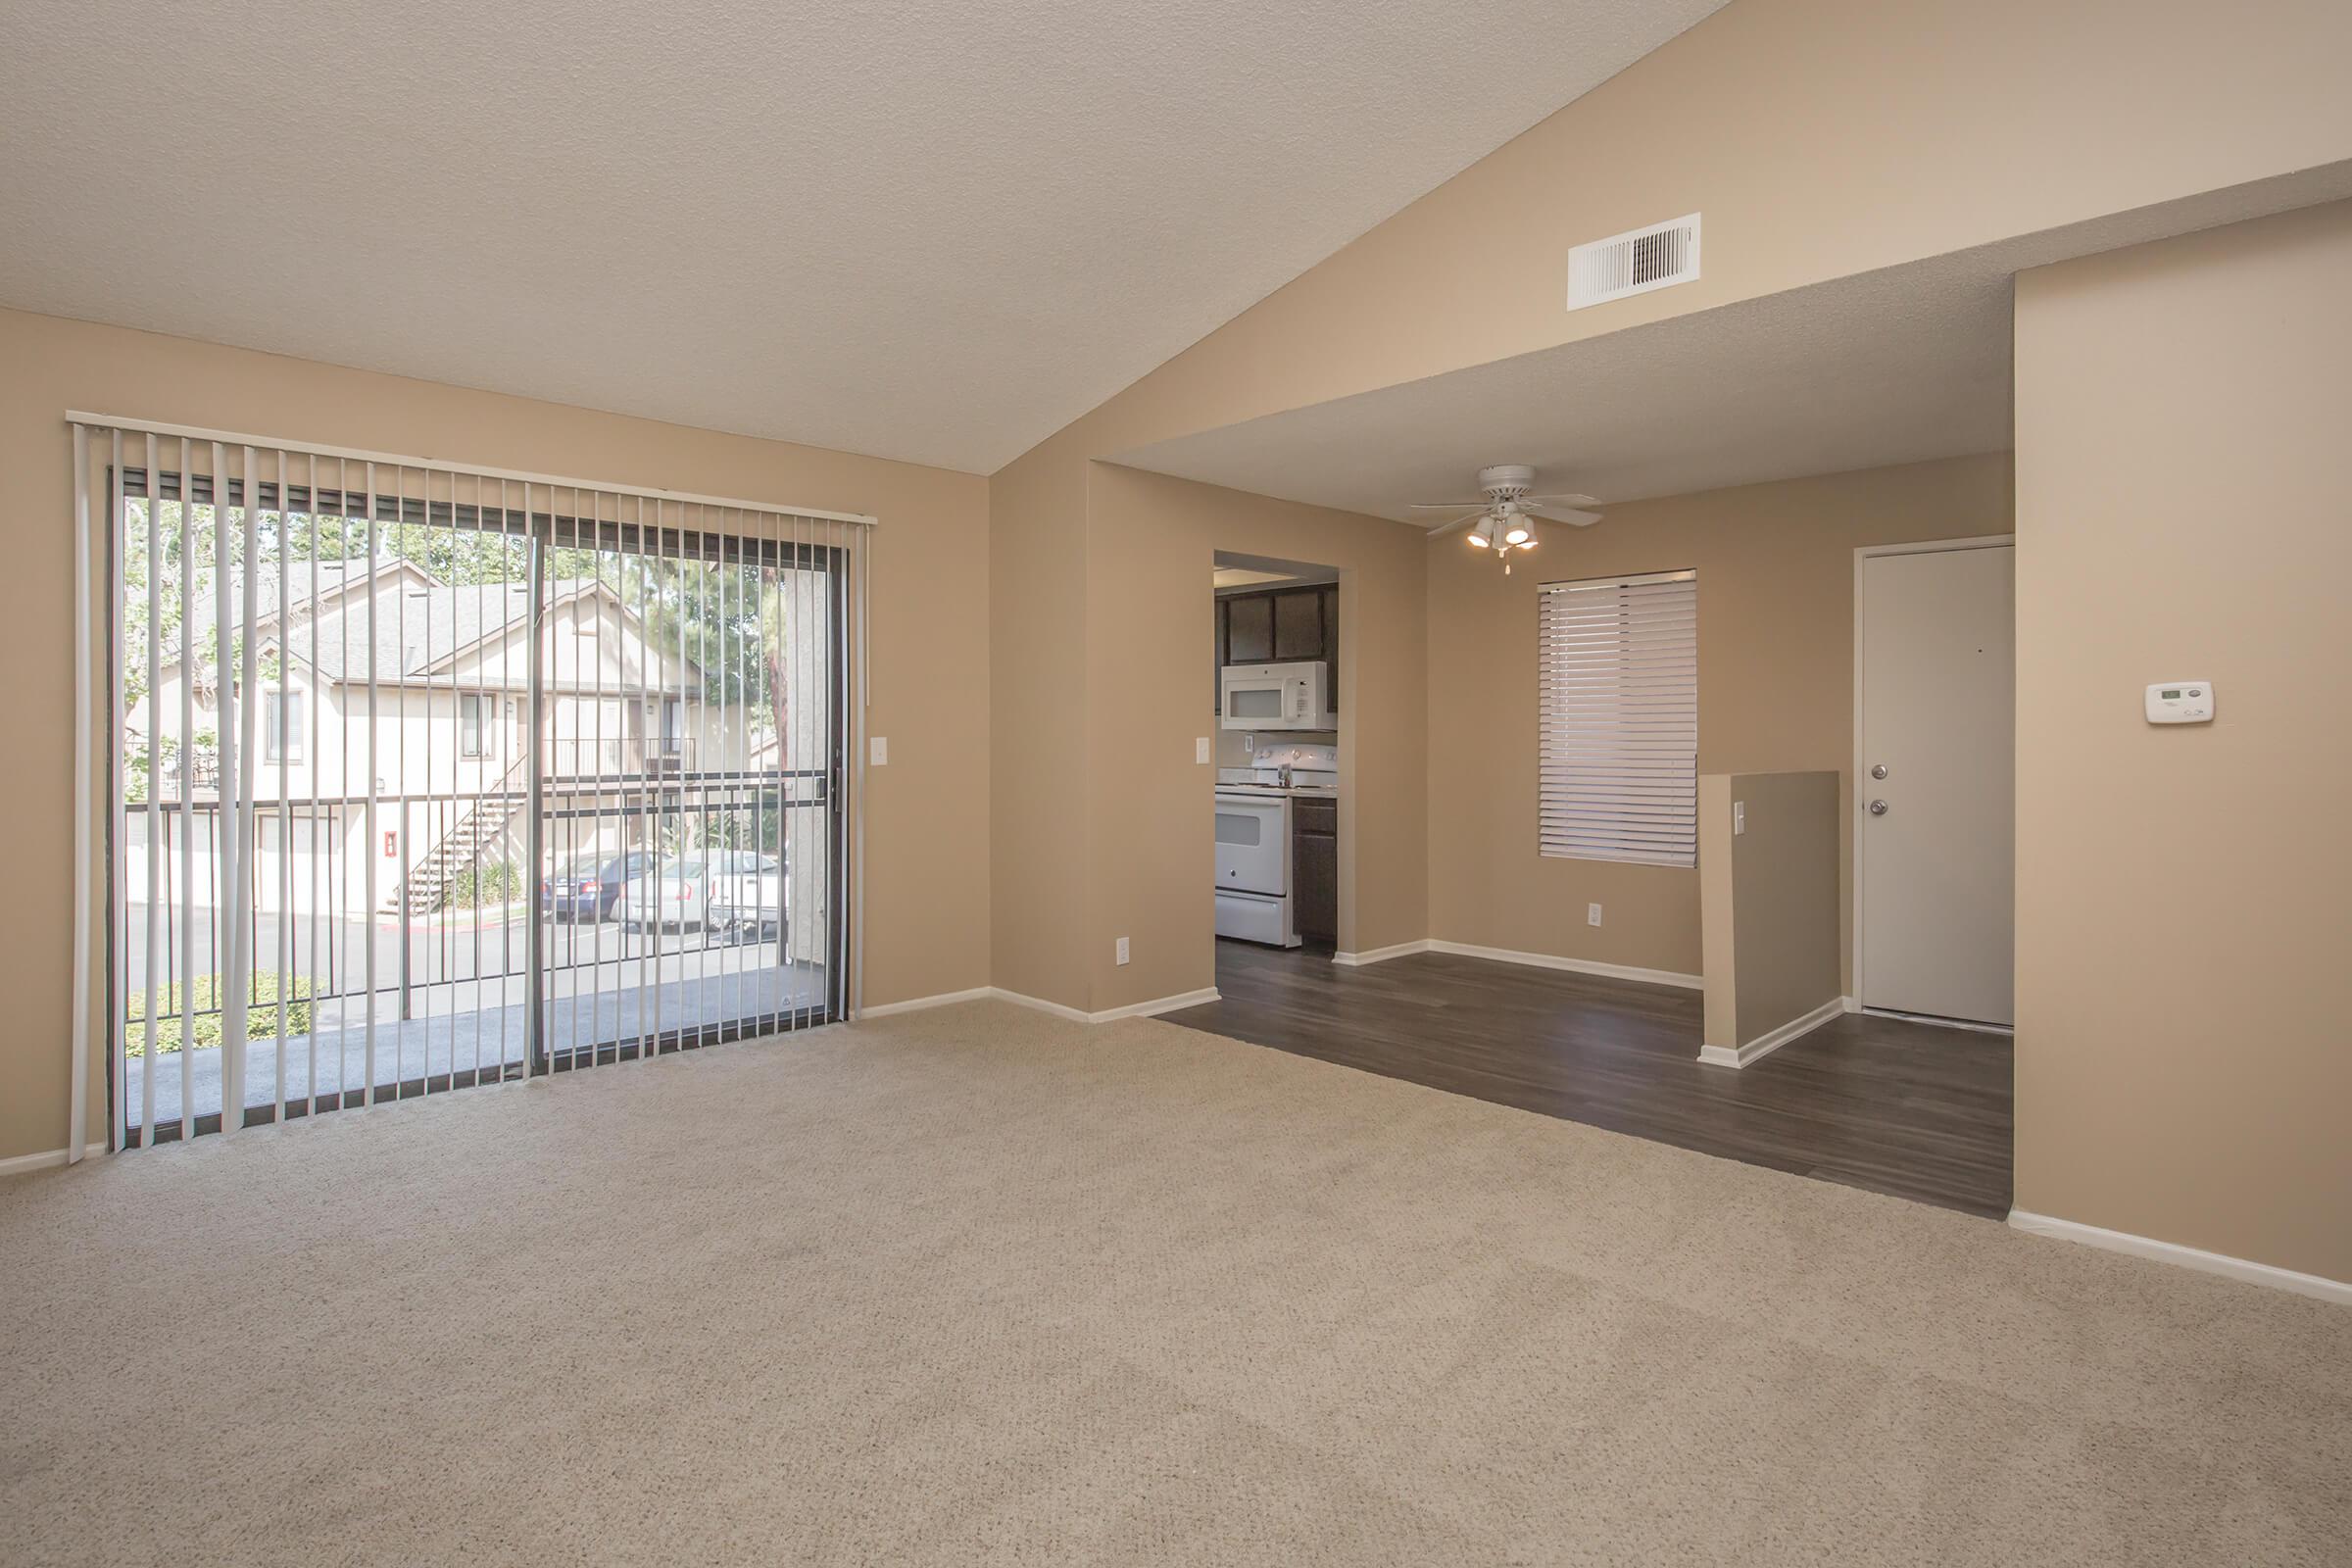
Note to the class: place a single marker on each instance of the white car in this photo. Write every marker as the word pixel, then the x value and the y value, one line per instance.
pixel 751 906
pixel 677 892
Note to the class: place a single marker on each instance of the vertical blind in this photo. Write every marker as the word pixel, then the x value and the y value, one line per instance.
pixel 409 776
pixel 1619 757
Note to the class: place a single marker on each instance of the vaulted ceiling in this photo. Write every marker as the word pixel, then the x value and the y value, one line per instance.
pixel 931 232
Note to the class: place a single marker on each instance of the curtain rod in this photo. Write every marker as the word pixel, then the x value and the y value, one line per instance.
pixel 105 422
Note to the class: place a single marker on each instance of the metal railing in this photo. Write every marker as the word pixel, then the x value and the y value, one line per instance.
pixel 680 817
pixel 620 760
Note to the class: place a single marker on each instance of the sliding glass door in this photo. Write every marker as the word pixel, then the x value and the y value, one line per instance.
pixel 420 779
pixel 691 852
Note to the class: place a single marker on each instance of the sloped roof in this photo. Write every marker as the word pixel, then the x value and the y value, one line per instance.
pixel 433 625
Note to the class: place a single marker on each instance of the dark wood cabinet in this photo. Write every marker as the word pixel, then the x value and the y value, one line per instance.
pixel 1299 625
pixel 1249 629
pixel 1315 869
pixel 1281 626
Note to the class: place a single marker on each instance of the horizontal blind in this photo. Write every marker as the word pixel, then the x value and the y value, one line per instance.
pixel 1619 755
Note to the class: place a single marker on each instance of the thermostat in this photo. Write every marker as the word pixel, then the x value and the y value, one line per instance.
pixel 2181 702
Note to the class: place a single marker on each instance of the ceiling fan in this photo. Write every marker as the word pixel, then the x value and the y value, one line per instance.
pixel 1505 520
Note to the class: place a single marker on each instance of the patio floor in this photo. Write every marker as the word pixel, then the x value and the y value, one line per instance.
pixel 430 1047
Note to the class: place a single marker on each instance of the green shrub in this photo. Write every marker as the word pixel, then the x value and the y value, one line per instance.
pixel 261 1015
pixel 498 882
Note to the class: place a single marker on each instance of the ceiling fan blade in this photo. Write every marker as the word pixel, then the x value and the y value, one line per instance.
pixel 1459 522
pixel 1569 516
pixel 1450 505
pixel 1571 500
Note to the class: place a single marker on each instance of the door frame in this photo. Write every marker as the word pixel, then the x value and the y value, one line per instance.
pixel 1863 554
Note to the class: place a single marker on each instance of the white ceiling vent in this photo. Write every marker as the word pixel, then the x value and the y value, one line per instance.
pixel 1633 262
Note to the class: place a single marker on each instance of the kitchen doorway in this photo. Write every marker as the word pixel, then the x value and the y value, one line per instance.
pixel 1279 710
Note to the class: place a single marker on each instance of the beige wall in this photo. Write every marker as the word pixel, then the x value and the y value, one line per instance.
pixel 1821 139
pixel 1771 899
pixel 1149 646
pixel 2184 894
pixel 1038 682
pixel 1102 603
pixel 1775 688
pixel 926 925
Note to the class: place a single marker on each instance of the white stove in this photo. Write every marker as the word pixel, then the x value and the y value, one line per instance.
pixel 1279 781
pixel 1254 847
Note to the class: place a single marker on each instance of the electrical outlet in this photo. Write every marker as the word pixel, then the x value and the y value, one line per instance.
pixel 1739 817
pixel 1592 914
pixel 1200 748
pixel 1123 950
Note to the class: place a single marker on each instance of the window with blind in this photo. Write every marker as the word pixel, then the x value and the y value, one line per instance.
pixel 1619 758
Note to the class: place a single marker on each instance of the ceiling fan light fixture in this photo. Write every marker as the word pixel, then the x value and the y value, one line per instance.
pixel 1506 523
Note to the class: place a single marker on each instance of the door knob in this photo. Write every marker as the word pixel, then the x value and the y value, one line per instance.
pixel 1878 770
pixel 1878 807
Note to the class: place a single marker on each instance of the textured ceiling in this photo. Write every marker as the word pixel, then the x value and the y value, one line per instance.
pixel 936 231
pixel 1890 367
pixel 1898 365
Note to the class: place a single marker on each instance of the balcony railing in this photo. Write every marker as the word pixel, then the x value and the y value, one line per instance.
pixel 631 758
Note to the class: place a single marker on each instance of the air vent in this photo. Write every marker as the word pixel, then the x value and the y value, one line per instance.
pixel 1633 262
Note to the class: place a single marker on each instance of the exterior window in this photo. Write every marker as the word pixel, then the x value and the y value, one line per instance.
pixel 1618 765
pixel 281 726
pixel 473 732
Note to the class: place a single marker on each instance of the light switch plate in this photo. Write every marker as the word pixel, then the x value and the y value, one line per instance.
pixel 1739 817
pixel 877 750
pixel 1200 748
pixel 2181 702
pixel 1123 950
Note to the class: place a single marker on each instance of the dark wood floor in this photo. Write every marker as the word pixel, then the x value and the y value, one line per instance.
pixel 1908 1108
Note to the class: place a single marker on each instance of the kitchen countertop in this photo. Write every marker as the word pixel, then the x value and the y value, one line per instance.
pixel 1319 792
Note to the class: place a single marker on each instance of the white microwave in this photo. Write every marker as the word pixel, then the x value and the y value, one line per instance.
pixel 1273 697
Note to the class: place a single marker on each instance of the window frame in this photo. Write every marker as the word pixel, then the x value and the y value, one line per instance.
pixel 277 702
pixel 474 709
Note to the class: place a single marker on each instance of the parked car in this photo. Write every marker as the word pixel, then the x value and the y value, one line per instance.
pixel 587 888
pixel 751 906
pixel 677 892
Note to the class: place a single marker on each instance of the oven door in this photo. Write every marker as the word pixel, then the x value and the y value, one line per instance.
pixel 1253 844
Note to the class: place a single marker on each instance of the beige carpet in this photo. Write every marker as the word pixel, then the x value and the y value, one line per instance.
pixel 981 1287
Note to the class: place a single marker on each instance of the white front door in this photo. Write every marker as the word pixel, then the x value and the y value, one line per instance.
pixel 1935 787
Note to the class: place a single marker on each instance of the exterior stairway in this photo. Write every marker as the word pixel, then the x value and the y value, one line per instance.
pixel 461 847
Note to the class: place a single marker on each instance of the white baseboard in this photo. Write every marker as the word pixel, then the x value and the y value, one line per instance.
pixel 47 1158
pixel 946 999
pixel 1133 1010
pixel 1151 1009
pixel 1399 949
pixel 1040 1004
pixel 1546 960
pixel 1764 1044
pixel 2237 1268
pixel 1937 1021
